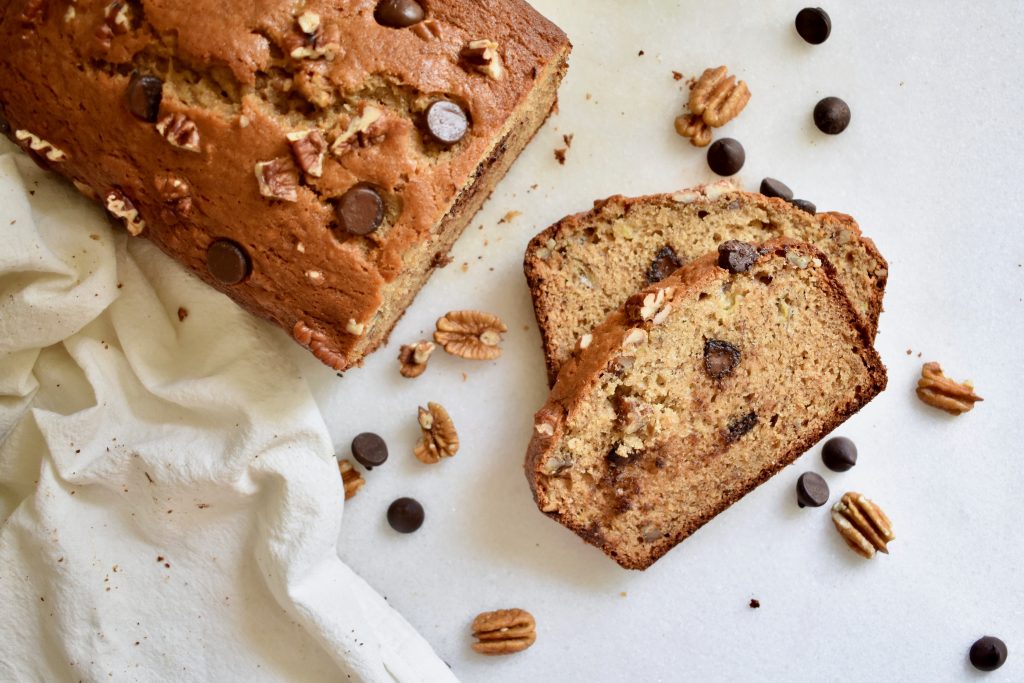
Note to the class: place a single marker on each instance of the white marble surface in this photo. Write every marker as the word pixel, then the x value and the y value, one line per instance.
pixel 931 167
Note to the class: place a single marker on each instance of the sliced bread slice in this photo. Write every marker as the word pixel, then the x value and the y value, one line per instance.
pixel 583 267
pixel 694 392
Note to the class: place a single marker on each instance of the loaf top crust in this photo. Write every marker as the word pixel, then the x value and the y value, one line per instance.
pixel 242 76
pixel 640 443
pixel 583 267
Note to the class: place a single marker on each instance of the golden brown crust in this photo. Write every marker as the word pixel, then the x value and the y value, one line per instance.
pixel 232 93
pixel 582 372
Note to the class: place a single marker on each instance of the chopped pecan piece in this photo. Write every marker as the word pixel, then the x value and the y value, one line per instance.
pixel 440 440
pixel 180 131
pixel 120 206
pixel 504 632
pixel 350 478
pixel 175 192
pixel 862 524
pixel 939 391
pixel 360 130
pixel 482 55
pixel 651 307
pixel 309 148
pixel 470 334
pixel 278 179
pixel 35 143
pixel 414 357
pixel 428 29
pixel 717 97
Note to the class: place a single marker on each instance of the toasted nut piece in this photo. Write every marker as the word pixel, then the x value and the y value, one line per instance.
pixel 180 131
pixel 939 391
pixel 717 97
pixel 351 478
pixel 414 357
pixel 470 334
pixel 482 55
pixel 692 126
pixel 862 524
pixel 440 440
pixel 504 632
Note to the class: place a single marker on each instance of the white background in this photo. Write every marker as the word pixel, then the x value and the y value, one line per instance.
pixel 931 167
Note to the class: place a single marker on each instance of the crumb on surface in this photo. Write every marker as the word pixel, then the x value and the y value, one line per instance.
pixel 509 217
pixel 754 603
pixel 677 76
pixel 560 155
pixel 182 313
pixel 640 54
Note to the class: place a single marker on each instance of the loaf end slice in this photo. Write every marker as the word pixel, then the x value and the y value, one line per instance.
pixel 700 388
pixel 583 267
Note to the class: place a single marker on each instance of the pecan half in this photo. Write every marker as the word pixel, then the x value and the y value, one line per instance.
pixel 180 131
pixel 414 357
pixel 350 478
pixel 309 148
pixel 504 632
pixel 440 440
pixel 470 334
pixel 482 55
pixel 862 524
pixel 278 179
pixel 692 126
pixel 317 343
pixel 121 207
pixel 717 97
pixel 939 391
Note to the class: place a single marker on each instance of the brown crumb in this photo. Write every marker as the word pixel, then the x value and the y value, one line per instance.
pixel 464 267
pixel 182 313
pixel 202 506
pixel 159 558
pixel 568 139
pixel 622 594
pixel 909 352
pixel 92 235
pixel 640 54
pixel 754 603
pixel 560 155
pixel 534 186
pixel 441 260
pixel 464 377
pixel 509 217
pixel 588 97
pixel 677 76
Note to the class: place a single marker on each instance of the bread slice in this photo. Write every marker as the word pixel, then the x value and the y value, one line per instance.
pixel 583 267
pixel 700 388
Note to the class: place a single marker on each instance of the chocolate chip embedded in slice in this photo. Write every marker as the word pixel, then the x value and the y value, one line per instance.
pixel 811 490
pixel 398 13
pixel 839 454
pixel 405 515
pixel 726 157
pixel 664 264
pixel 143 96
pixel 736 256
pixel 988 653
pixel 741 426
pixel 720 358
pixel 360 210
pixel 832 115
pixel 814 25
pixel 369 450
pixel 228 262
pixel 770 187
pixel 446 122
pixel 804 205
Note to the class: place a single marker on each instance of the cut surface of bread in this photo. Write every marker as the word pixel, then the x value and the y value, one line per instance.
pixel 700 388
pixel 583 267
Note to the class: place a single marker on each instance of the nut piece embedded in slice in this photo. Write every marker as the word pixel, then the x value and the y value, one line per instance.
pixel 717 97
pixel 309 148
pixel 351 478
pixel 180 131
pixel 482 55
pixel 120 206
pixel 440 440
pixel 862 524
pixel 414 357
pixel 504 632
pixel 278 179
pixel 470 334
pixel 939 391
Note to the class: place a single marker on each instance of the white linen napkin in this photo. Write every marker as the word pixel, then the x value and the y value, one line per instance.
pixel 169 501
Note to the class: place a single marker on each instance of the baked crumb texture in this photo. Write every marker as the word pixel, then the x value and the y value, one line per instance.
pixel 585 266
pixel 252 120
pixel 651 430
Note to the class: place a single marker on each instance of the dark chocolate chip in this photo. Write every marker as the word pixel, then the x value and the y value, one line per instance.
pixel 831 115
pixel 736 256
pixel 143 96
pixel 726 156
pixel 228 262
pixel 741 426
pixel 405 515
pixel 369 450
pixel 398 13
pixel 770 187
pixel 811 490
pixel 720 358
pixel 814 25
pixel 839 454
pixel 664 264
pixel 360 210
pixel 988 653
pixel 446 122
pixel 804 205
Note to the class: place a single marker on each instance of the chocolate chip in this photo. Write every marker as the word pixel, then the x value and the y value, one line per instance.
pixel 398 13
pixel 839 454
pixel 754 603
pixel 811 490
pixel 369 450
pixel 804 205
pixel 143 96
pixel 228 262
pixel 720 358
pixel 741 426
pixel 814 25
pixel 360 210
pixel 726 156
pixel 831 115
pixel 988 653
pixel 770 187
pixel 405 515
pixel 736 256
pixel 446 122
pixel 664 264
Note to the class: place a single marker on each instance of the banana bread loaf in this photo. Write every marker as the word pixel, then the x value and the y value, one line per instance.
pixel 315 160
pixel 583 267
pixel 697 390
